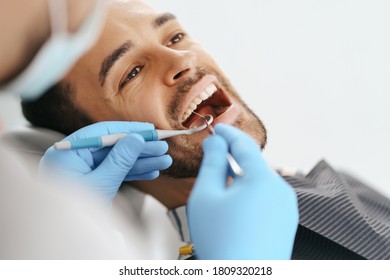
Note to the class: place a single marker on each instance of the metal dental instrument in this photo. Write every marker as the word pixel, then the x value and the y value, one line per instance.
pixel 208 120
pixel 109 140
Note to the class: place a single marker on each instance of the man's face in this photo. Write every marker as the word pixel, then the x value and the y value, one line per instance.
pixel 145 67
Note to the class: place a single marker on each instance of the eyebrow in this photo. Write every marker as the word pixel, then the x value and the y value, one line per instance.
pixel 162 19
pixel 110 60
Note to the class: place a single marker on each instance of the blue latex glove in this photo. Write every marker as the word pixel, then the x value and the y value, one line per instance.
pixel 104 169
pixel 256 217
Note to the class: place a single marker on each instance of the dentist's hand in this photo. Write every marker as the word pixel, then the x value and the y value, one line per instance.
pixel 104 169
pixel 256 217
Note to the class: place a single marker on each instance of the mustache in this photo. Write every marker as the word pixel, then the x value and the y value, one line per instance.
pixel 182 90
pixel 185 85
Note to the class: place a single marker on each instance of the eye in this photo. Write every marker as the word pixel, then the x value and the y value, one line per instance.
pixel 131 75
pixel 175 39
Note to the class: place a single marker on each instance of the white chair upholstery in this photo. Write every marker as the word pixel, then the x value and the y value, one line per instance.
pixel 30 143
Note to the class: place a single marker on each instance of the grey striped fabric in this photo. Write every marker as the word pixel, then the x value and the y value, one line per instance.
pixel 338 210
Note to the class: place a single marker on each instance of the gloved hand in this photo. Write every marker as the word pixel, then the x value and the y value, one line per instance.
pixel 255 217
pixel 104 169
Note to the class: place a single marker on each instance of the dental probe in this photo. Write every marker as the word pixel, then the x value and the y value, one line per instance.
pixel 109 140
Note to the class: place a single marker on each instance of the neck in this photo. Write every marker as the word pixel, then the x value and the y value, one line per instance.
pixel 171 192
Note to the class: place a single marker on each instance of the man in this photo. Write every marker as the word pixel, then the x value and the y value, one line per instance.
pixel 100 172
pixel 145 67
pixel 160 69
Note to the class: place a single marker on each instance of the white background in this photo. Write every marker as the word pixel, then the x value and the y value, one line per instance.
pixel 316 72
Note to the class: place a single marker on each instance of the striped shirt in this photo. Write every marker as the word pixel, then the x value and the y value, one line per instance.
pixel 340 217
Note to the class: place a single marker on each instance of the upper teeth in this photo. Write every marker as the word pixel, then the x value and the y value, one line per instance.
pixel 205 94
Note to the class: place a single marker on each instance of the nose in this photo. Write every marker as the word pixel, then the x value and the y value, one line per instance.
pixel 179 64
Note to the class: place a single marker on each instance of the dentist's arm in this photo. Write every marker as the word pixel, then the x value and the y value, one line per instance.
pixel 103 170
pixel 256 217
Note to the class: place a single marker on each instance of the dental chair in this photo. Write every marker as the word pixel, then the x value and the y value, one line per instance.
pixel 30 143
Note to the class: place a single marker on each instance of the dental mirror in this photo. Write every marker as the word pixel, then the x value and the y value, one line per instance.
pixel 202 122
pixel 207 120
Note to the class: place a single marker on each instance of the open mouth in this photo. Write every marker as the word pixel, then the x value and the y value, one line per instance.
pixel 212 100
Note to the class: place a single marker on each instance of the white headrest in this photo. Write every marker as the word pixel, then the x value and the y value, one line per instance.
pixel 30 143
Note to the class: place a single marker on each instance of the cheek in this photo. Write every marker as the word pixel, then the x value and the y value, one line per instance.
pixel 146 107
pixel 156 114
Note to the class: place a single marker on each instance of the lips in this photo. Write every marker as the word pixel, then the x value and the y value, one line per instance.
pixel 205 97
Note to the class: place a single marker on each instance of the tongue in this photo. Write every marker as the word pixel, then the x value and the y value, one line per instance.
pixel 207 110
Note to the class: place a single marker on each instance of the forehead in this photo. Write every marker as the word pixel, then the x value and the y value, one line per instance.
pixel 125 20
pixel 129 14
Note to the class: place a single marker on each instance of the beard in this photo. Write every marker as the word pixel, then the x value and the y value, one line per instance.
pixel 187 154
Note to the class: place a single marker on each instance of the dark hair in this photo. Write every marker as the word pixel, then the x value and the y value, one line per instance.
pixel 55 110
